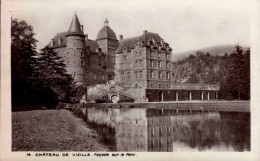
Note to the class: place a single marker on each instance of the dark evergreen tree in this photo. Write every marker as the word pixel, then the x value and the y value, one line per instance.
pixel 23 61
pixel 37 78
pixel 52 75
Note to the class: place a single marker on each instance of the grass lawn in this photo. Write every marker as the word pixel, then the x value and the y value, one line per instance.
pixel 52 130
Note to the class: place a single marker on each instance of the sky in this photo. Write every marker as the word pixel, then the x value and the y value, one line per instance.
pixel 185 26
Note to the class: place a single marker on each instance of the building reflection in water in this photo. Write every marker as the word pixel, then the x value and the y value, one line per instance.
pixel 162 130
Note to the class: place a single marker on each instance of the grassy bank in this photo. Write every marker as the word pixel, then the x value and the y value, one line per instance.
pixel 52 130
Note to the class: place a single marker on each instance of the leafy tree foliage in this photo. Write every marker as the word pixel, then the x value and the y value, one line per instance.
pixel 51 75
pixel 37 78
pixel 23 61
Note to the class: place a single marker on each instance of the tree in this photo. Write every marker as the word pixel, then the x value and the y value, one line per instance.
pixel 237 83
pixel 52 75
pixel 37 78
pixel 193 78
pixel 23 61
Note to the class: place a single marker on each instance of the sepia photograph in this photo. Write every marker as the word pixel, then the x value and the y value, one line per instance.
pixel 97 79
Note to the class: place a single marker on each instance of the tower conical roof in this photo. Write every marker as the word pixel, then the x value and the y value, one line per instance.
pixel 75 29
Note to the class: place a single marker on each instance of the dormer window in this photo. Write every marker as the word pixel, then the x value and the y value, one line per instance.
pixel 59 41
pixel 52 42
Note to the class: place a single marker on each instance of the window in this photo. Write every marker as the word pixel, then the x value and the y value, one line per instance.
pixel 168 85
pixel 128 75
pixel 81 54
pixel 140 74
pixel 151 54
pixel 82 63
pixel 74 62
pixel 159 64
pixel 123 76
pixel 160 86
pixel 136 74
pixel 74 45
pixel 136 54
pixel 160 75
pixel 140 54
pixel 103 77
pixel 68 63
pixel 74 53
pixel 152 85
pixel 140 63
pixel 159 55
pixel 68 54
pixel 167 56
pixel 136 63
pixel 152 75
pixel 168 75
pixel 151 63
pixel 167 65
pixel 74 74
pixel 124 57
pixel 94 77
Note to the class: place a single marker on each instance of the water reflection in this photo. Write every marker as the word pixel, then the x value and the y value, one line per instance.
pixel 158 130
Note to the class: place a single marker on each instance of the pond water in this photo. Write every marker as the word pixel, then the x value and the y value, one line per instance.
pixel 165 130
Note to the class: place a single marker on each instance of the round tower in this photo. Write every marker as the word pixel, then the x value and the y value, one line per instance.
pixel 76 51
pixel 107 41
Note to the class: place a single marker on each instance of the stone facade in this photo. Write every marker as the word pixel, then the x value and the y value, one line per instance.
pixel 144 61
pixel 141 67
pixel 89 62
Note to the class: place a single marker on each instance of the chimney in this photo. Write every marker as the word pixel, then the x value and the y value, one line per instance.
pixel 145 31
pixel 81 27
pixel 86 37
pixel 52 42
pixel 121 37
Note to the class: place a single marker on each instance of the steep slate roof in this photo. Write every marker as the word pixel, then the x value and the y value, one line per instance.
pixel 93 44
pixel 106 33
pixel 130 42
pixel 75 27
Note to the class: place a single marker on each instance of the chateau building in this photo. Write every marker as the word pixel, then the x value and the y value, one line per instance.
pixel 141 67
pixel 89 62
